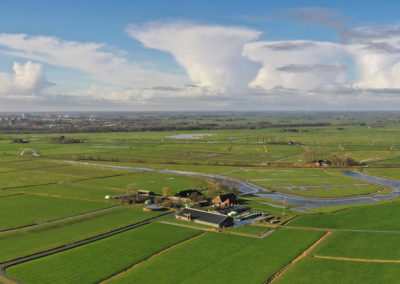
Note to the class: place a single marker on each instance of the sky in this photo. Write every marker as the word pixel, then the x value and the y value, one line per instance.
pixel 153 55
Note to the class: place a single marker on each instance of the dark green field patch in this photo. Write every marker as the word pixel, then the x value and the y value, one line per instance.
pixel 221 258
pixel 31 240
pixel 378 217
pixel 99 260
pixel 314 270
pixel 364 245
pixel 23 210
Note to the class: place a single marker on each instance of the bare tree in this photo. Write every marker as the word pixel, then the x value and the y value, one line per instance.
pixel 166 191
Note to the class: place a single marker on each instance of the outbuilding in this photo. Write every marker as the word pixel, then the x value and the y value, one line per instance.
pixel 204 217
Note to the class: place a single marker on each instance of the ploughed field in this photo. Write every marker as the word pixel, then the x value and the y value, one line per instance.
pixel 46 203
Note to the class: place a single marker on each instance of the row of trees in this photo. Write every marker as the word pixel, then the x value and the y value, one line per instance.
pixel 334 160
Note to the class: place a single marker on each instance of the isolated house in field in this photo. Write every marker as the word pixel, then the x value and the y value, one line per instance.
pixel 206 218
pixel 324 163
pixel 225 200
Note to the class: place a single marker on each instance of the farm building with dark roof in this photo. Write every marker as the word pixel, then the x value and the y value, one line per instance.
pixel 203 217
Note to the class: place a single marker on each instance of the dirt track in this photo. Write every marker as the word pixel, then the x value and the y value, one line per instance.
pixel 357 259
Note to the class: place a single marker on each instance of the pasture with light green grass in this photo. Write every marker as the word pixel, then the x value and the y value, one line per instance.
pixel 374 217
pixel 247 230
pixel 365 245
pixel 31 240
pixel 74 190
pixel 306 182
pixel 22 210
pixel 237 259
pixel 149 181
pixel 275 158
pixel 101 259
pixel 321 271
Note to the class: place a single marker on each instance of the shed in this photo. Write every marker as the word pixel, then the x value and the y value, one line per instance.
pixel 204 217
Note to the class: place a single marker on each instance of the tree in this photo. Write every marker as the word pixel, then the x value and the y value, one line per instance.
pixel 166 191
pixel 167 203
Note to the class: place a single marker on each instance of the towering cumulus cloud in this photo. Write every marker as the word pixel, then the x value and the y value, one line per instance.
pixel 376 52
pixel 211 55
pixel 303 65
pixel 26 79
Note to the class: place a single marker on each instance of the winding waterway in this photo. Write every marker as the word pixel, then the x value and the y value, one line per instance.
pixel 299 202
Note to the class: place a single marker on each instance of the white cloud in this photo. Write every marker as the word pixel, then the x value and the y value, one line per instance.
pixel 26 80
pixel 211 55
pixel 376 53
pixel 227 68
pixel 302 65
pixel 92 58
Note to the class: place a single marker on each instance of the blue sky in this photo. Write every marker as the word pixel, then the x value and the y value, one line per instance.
pixel 207 55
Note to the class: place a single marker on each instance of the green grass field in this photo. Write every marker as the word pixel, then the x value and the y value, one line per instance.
pixel 54 188
pixel 377 217
pixel 247 230
pixel 32 240
pixel 237 259
pixel 321 271
pixel 361 245
pixel 97 261
pixel 22 210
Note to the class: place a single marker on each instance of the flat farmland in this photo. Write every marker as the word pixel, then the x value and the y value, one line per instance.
pixel 22 210
pixel 372 217
pixel 275 158
pixel 30 177
pixel 71 190
pixel 237 259
pixel 102 259
pixel 390 173
pixel 305 182
pixel 35 239
pixel 362 245
pixel 315 270
pixel 148 181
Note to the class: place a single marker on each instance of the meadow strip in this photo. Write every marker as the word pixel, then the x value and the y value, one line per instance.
pixel 99 260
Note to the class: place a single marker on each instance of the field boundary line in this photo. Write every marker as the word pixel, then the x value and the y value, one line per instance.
pixel 62 248
pixel 150 258
pixel 60 220
pixel 64 197
pixel 357 259
pixel 188 226
pixel 302 255
pixel 261 236
pixel 341 230
pixel 10 195
pixel 59 174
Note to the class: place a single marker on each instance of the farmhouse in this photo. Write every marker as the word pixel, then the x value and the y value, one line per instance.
pixel 225 200
pixel 206 218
